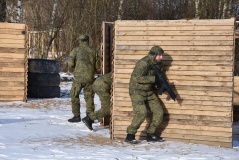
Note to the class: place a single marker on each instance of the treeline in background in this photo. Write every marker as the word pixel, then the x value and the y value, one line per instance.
pixel 62 21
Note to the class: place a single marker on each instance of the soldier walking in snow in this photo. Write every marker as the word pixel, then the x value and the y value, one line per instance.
pixel 85 62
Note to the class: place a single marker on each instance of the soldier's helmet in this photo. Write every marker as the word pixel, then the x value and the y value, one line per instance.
pixel 84 38
pixel 156 50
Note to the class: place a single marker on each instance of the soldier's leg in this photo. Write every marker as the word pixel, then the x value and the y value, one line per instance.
pixel 89 98
pixel 157 113
pixel 75 100
pixel 105 106
pixel 140 112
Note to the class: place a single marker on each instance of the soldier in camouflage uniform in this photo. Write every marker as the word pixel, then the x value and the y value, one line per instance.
pixel 85 62
pixel 101 87
pixel 143 96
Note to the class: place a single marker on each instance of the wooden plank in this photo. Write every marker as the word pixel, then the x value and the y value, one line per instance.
pixel 12 92
pixel 4 69
pixel 186 96
pixel 185 93
pixel 12 74
pixel 186 67
pixel 181 48
pixel 215 121
pixel 12 55
pixel 13 78
pixel 206 142
pixel 183 73
pixel 175 38
pixel 10 36
pixel 12 60
pixel 176 77
pixel 199 73
pixel 177 43
pixel 201 78
pixel 196 90
pixel 120 111
pixel 12 84
pixel 15 26
pixel 168 132
pixel 12 98
pixel 186 107
pixel 181 102
pixel 12 41
pixel 143 137
pixel 8 88
pixel 197 137
pixel 180 58
pixel 175 121
pixel 158 23
pixel 180 126
pixel 205 63
pixel 12 31
pixel 187 83
pixel 174 33
pixel 176 53
pixel 13 45
pixel 12 50
pixel 170 62
pixel 201 117
pixel 12 65
pixel 173 28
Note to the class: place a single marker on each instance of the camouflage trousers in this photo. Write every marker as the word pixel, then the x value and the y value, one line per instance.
pixel 88 96
pixel 105 106
pixel 141 105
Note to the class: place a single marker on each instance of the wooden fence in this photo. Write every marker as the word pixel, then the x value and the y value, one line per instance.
pixel 13 62
pixel 199 60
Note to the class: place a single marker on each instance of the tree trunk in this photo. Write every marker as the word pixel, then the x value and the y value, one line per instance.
pixel 51 33
pixel 19 10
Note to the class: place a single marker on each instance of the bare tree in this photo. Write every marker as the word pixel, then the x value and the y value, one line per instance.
pixel 19 10
pixel 63 21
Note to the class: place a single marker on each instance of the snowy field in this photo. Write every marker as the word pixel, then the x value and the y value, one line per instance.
pixel 39 130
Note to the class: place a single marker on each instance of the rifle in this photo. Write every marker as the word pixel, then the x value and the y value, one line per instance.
pixel 164 84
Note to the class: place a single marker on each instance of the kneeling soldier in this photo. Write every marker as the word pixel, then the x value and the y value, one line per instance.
pixel 102 87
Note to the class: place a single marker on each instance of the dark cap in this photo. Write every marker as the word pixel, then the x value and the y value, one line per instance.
pixel 84 37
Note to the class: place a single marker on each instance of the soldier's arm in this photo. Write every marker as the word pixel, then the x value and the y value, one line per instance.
pixel 97 62
pixel 72 59
pixel 139 74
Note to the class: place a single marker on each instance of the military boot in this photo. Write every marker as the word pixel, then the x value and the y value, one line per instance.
pixel 152 137
pixel 88 122
pixel 75 119
pixel 130 138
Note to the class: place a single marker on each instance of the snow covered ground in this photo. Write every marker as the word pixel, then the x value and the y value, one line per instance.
pixel 39 130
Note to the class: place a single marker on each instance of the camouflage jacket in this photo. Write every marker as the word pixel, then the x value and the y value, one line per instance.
pixel 103 83
pixel 85 62
pixel 142 79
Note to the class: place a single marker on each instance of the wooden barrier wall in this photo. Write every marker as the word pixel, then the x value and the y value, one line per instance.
pixel 107 47
pixel 199 62
pixel 236 99
pixel 13 62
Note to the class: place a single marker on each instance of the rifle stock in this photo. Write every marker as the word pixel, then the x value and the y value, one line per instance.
pixel 164 84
